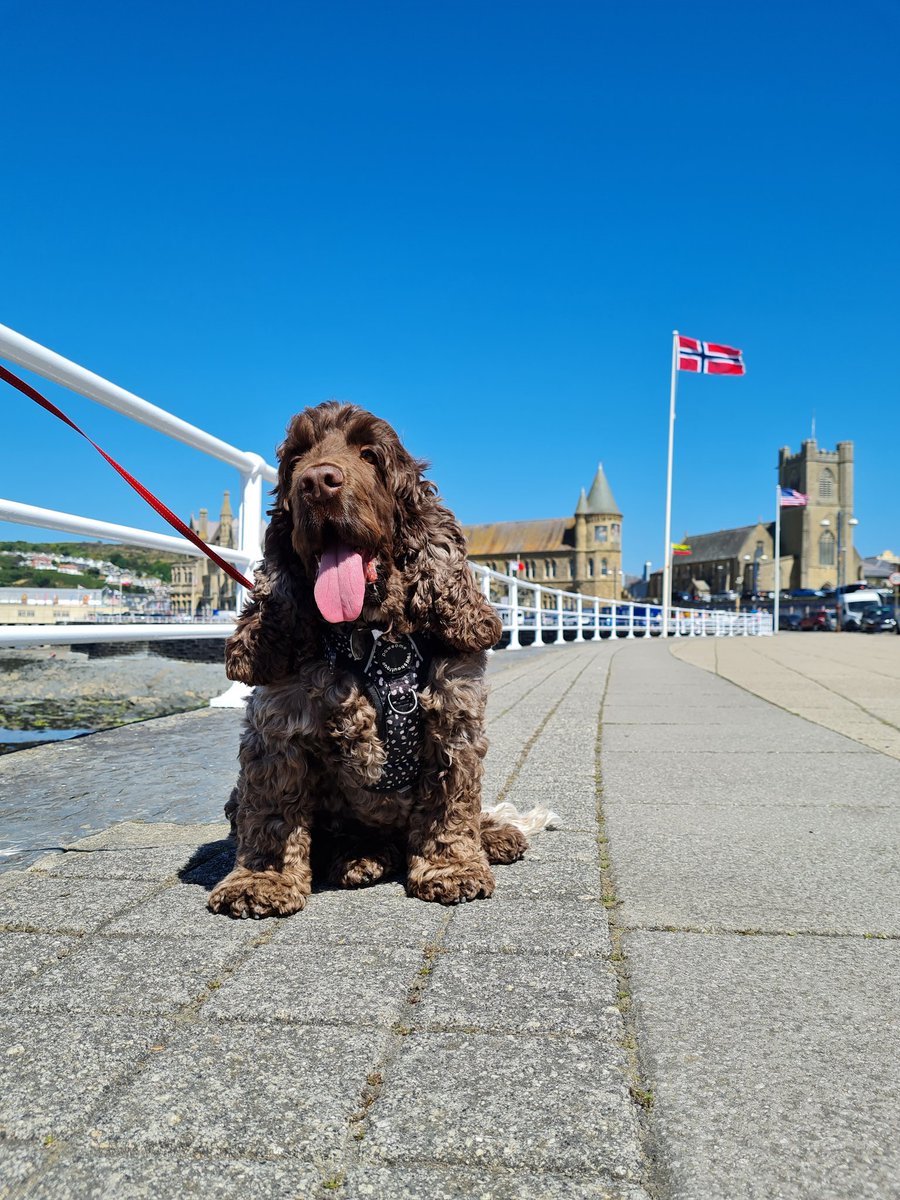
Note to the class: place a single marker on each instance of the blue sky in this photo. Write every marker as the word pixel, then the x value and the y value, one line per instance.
pixel 482 221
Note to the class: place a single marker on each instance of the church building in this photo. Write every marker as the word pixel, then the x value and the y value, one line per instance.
pixel 581 553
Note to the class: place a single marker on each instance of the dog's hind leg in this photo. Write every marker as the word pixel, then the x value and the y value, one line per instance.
pixel 501 843
pixel 349 861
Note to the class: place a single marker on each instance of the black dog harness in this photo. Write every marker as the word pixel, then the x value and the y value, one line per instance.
pixel 391 673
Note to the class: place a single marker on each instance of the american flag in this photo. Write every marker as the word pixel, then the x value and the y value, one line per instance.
pixel 791 499
pixel 709 358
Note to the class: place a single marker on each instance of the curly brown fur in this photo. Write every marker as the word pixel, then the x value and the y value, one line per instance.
pixel 310 750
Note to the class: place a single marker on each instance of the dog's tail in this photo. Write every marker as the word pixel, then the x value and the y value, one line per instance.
pixel 529 822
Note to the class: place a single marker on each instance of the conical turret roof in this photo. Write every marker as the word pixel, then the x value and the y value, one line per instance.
pixel 582 504
pixel 600 498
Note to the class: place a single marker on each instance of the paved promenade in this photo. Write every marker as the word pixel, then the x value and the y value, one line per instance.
pixel 692 990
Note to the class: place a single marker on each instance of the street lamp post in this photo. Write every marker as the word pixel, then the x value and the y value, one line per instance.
pixel 841 550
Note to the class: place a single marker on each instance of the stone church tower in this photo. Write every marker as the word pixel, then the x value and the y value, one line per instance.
pixel 823 555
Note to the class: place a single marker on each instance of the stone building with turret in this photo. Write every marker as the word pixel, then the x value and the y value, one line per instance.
pixel 198 585
pixel 581 553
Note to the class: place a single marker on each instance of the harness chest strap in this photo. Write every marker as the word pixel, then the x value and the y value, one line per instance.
pixel 391 671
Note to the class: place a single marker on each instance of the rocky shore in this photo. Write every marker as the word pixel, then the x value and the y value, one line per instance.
pixel 59 688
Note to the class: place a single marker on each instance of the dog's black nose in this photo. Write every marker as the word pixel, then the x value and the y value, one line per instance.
pixel 321 482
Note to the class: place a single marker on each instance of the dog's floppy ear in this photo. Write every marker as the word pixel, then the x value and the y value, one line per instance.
pixel 443 597
pixel 265 644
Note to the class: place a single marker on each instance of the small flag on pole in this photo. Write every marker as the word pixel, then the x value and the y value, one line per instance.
pixel 680 548
pixel 709 358
pixel 791 499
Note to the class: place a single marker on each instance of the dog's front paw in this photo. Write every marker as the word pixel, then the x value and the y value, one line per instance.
pixel 257 894
pixel 450 882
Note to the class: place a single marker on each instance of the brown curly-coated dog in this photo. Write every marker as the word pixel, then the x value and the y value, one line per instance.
pixel 359 541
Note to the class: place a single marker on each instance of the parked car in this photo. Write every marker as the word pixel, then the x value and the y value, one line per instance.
pixel 880 619
pixel 820 618
pixel 789 621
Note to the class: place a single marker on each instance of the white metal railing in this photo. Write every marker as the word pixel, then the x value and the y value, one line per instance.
pixel 532 614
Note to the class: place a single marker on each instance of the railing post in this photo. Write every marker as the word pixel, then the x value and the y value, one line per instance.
pixel 676 629
pixel 536 594
pixel 485 584
pixel 250 515
pixel 579 609
pixel 514 643
pixel 630 633
pixel 559 618
pixel 596 620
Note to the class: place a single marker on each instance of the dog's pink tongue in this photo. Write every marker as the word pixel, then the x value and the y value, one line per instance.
pixel 341 584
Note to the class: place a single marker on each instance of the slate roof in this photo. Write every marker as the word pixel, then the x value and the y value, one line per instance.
pixel 522 537
pixel 724 543
pixel 600 498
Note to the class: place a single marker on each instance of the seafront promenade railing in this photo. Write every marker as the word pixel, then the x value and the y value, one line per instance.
pixel 532 613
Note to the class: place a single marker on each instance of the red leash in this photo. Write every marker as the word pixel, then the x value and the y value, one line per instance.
pixel 145 494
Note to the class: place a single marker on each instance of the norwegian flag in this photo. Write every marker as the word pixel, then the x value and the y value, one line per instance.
pixel 792 499
pixel 709 358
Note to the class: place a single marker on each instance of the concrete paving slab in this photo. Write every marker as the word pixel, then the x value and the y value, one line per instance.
pixel 52 1078
pixel 18 1162
pixel 443 1183
pixel 530 926
pixel 382 915
pixel 790 779
pixel 100 1175
pixel 22 955
pixel 179 911
pixel 318 985
pixel 775 1063
pixel 758 737
pixel 37 903
pixel 146 977
pixel 534 878
pixel 800 869
pixel 529 1102
pixel 521 993
pixel 218 1088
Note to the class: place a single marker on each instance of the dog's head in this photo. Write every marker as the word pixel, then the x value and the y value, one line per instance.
pixel 356 535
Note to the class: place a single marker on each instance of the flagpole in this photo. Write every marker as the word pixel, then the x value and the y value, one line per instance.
pixel 776 606
pixel 667 559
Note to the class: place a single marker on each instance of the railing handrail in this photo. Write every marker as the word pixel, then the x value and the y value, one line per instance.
pixel 50 365
pixel 49 518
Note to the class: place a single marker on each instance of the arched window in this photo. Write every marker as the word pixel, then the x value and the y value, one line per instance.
pixel 604 567
pixel 571 568
pixel 827 488
pixel 826 548
pixel 549 568
pixel 590 568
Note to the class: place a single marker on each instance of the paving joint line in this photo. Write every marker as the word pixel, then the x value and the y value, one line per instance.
pixel 640 1086
pixel 359 1119
pixel 530 743
pixel 535 687
pixel 753 931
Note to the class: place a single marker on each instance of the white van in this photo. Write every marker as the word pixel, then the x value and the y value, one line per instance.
pixel 852 605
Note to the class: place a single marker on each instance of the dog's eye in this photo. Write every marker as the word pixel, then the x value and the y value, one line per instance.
pixel 369 456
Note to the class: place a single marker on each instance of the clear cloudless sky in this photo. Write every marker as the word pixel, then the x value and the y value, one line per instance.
pixel 481 221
